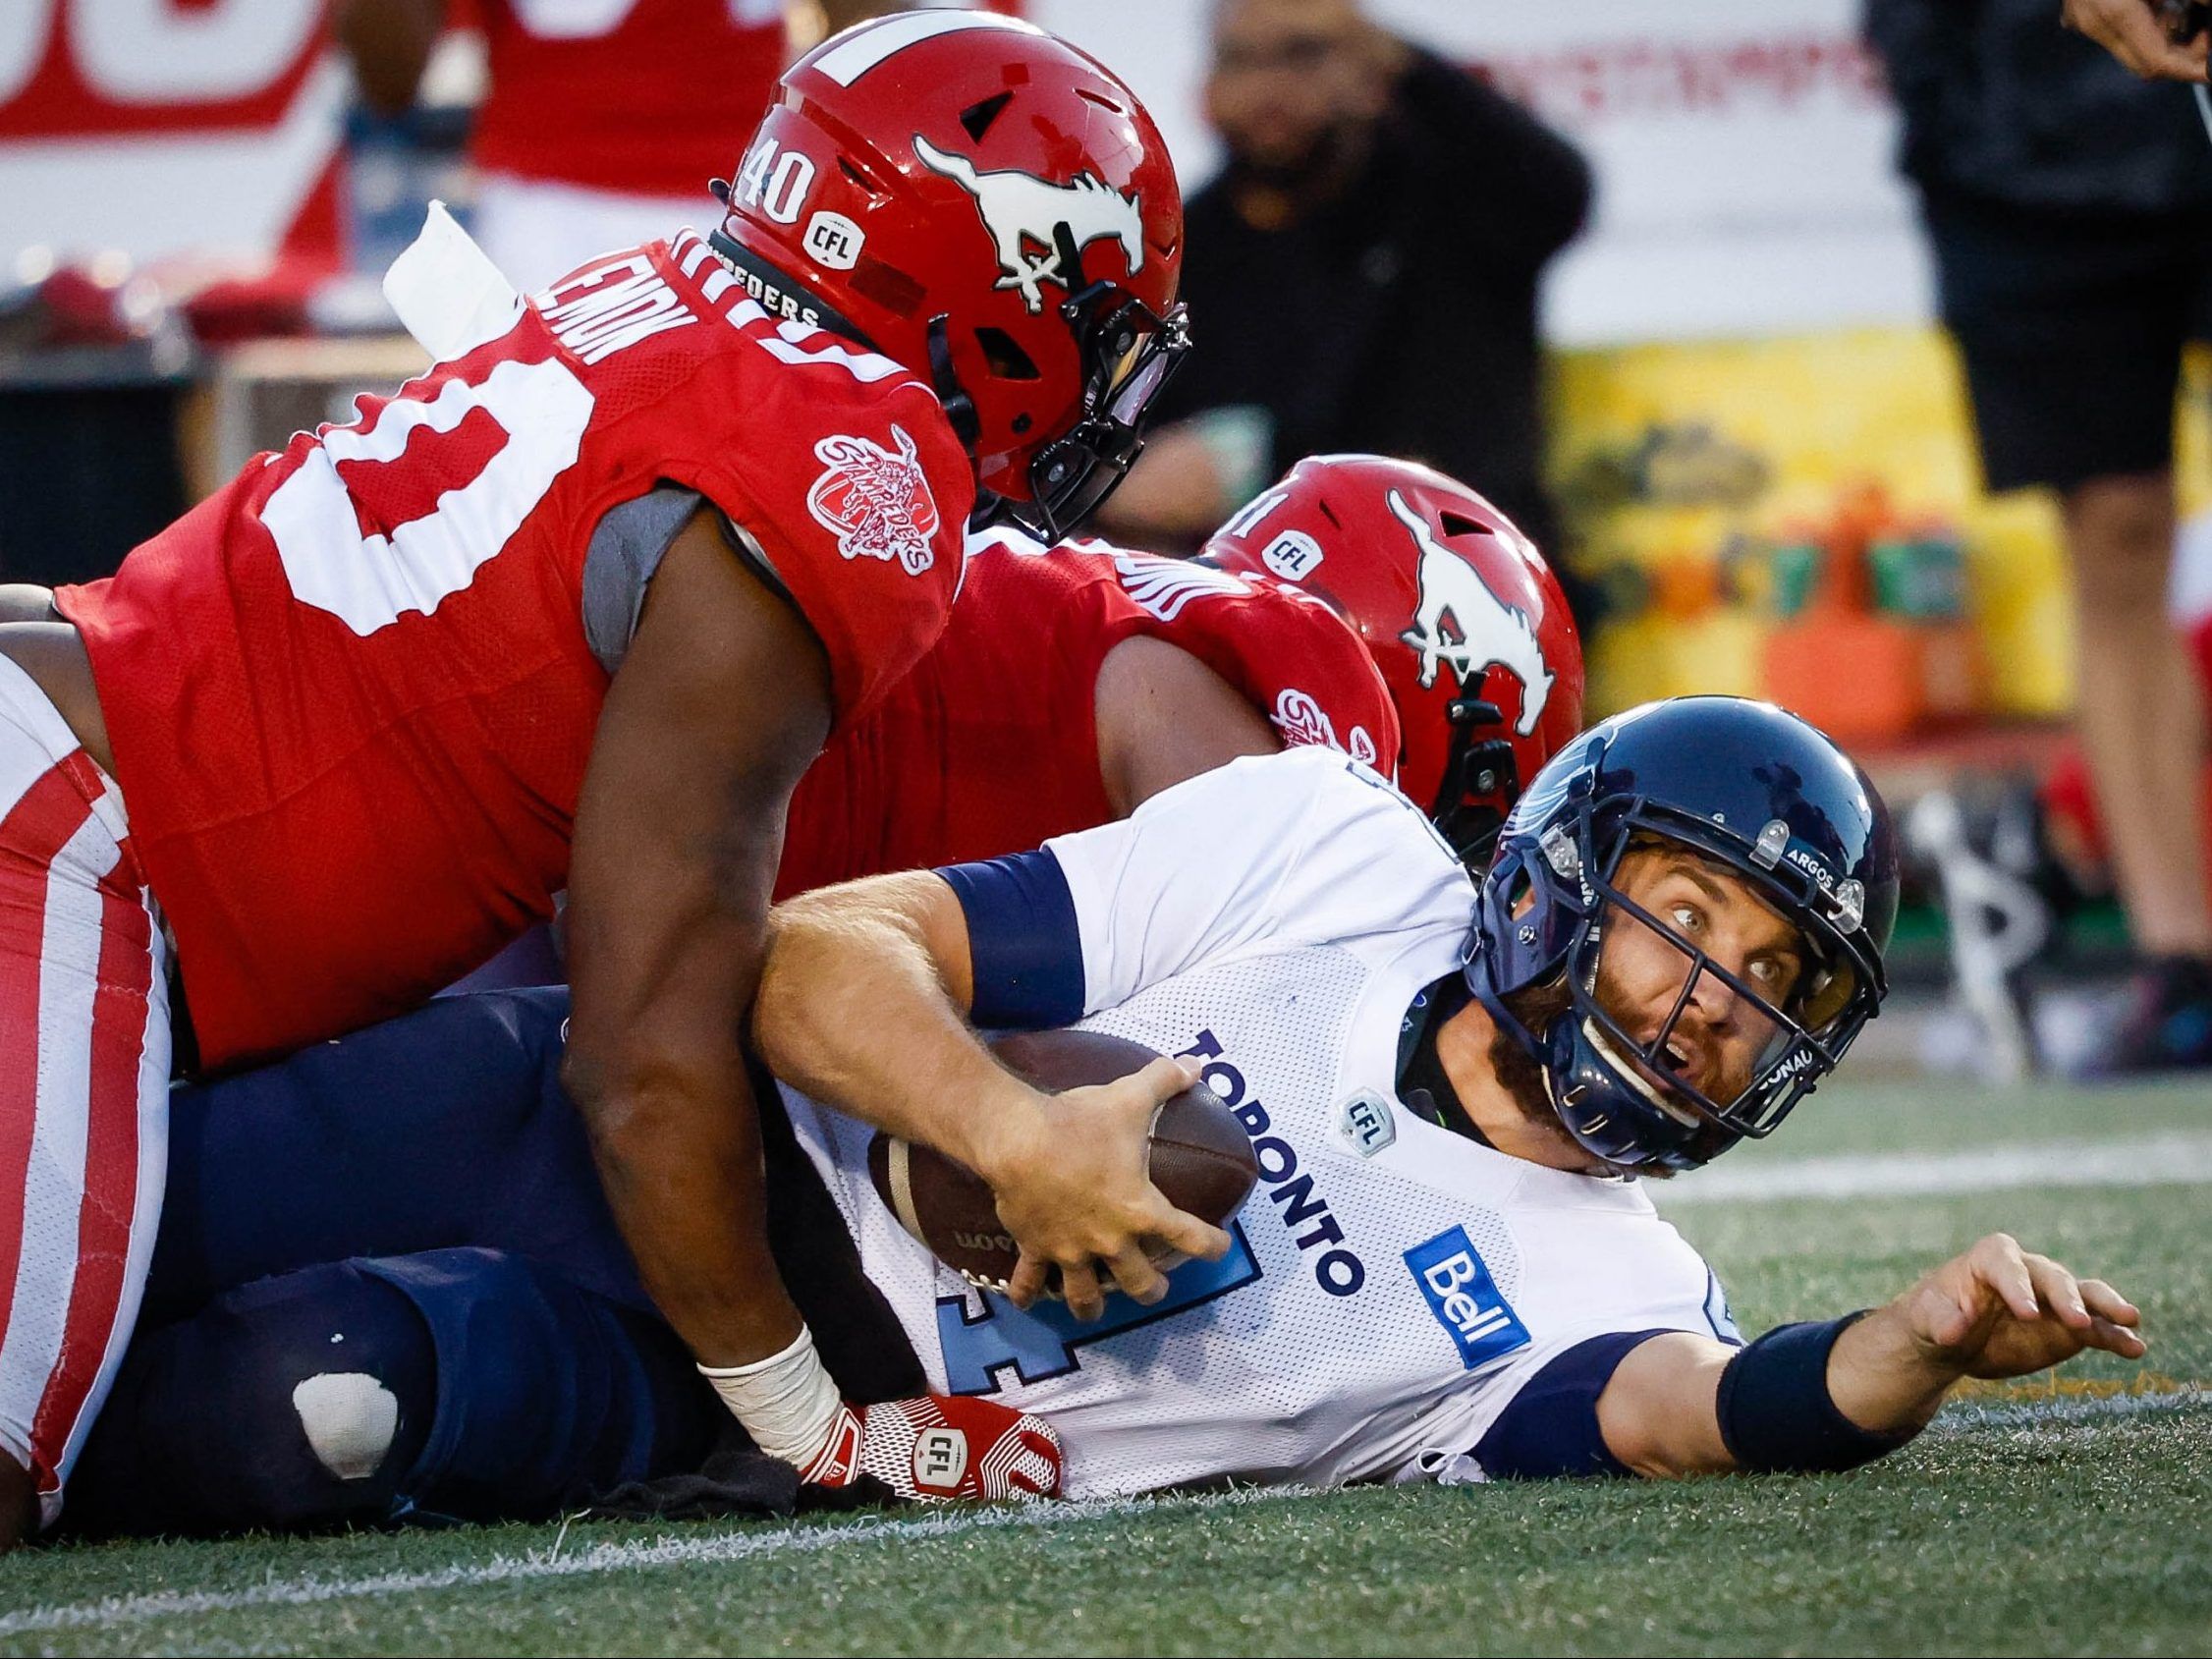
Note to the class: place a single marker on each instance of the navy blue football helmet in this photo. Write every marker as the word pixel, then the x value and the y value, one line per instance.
pixel 1741 785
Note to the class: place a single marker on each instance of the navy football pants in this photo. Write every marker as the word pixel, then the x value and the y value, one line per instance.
pixel 387 1285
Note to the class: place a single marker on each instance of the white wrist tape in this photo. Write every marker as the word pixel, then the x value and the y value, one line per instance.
pixel 786 1401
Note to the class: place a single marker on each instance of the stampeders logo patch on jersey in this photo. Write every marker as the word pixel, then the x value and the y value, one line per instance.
pixel 1027 214
pixel 877 503
pixel 1302 719
pixel 1465 1298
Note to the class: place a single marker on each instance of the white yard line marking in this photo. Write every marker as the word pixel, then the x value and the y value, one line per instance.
pixel 611 1558
pixel 1966 1417
pixel 2182 1156
pixel 1969 1417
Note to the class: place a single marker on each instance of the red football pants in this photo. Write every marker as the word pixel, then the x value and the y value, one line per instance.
pixel 83 1086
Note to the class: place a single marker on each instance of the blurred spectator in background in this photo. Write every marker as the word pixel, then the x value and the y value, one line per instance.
pixel 602 120
pixel 1361 275
pixel 2069 209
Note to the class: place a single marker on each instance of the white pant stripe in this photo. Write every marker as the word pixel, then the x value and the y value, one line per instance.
pixel 22 704
pixel 54 1186
pixel 153 1174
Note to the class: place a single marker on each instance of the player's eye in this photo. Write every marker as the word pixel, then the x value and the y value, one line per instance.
pixel 1688 917
pixel 1781 973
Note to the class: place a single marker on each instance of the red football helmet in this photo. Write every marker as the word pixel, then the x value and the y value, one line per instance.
pixel 991 209
pixel 1465 618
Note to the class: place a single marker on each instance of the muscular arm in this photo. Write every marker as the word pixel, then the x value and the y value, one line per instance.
pixel 390 42
pixel 861 1007
pixel 721 702
pixel 1994 1311
pixel 1164 716
pixel 886 955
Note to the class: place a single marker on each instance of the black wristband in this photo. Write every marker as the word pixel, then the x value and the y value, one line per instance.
pixel 1775 1414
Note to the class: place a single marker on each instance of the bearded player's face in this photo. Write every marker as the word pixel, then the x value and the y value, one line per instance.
pixel 1720 1039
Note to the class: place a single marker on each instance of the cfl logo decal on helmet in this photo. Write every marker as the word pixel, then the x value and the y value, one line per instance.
pixel 1294 555
pixel 876 503
pixel 1029 218
pixel 1491 633
pixel 834 241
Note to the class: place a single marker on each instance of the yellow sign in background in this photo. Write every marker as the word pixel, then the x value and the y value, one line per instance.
pixel 1678 462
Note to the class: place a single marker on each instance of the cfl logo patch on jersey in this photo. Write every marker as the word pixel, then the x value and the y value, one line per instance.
pixel 1465 1298
pixel 1366 1123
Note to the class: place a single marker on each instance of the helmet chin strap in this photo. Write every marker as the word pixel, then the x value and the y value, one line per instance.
pixel 1632 1074
pixel 944 380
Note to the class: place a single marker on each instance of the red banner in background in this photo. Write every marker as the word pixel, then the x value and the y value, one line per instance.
pixel 160 130
pixel 1627 78
pixel 78 68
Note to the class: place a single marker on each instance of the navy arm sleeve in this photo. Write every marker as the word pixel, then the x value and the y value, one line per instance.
pixel 1550 1428
pixel 1023 939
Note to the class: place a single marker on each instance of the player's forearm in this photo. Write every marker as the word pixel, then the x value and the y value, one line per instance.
pixel 854 1012
pixel 1801 1397
pixel 678 1149
pixel 1884 1378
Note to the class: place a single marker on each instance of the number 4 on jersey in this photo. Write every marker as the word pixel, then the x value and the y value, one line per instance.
pixel 1041 1344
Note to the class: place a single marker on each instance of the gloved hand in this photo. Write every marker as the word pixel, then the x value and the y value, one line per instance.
pixel 938 1449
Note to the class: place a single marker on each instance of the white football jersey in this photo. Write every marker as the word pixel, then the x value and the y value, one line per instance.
pixel 1392 1285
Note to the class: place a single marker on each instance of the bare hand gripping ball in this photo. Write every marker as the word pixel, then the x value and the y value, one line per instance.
pixel 1199 1156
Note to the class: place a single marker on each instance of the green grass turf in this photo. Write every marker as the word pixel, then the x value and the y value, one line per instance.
pixel 2030 1521
pixel 1951 1117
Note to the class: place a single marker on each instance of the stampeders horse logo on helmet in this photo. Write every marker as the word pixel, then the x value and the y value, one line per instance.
pixel 993 210
pixel 1491 633
pixel 1036 226
pixel 876 502
pixel 1428 573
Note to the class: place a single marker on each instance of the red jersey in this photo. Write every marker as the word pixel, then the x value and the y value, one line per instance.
pixel 350 696
pixel 648 98
pixel 990 745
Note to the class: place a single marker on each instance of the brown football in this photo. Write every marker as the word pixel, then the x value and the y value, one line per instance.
pixel 1201 1157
